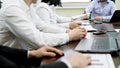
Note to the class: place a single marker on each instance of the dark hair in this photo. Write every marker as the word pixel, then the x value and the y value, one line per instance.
pixel 53 2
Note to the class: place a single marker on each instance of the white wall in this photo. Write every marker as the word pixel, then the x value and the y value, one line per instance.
pixel 117 4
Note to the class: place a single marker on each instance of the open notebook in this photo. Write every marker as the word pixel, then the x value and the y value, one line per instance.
pixel 98 60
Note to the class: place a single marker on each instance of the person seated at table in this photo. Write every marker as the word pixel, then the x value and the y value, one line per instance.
pixel 101 10
pixel 18 58
pixel 46 11
pixel 21 27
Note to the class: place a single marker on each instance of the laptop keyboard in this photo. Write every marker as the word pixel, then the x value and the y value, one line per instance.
pixel 100 43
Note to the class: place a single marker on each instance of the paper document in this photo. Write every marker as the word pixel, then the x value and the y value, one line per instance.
pixel 81 16
pixel 88 27
pixel 101 61
pixel 98 60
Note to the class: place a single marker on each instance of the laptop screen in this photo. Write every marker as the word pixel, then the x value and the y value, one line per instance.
pixel 116 16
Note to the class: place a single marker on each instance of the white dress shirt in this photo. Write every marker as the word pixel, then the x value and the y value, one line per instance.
pixel 47 13
pixel 21 27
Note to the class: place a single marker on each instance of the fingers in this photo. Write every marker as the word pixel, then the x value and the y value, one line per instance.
pixel 82 28
pixel 50 54
pixel 83 32
pixel 82 36
pixel 82 62
pixel 52 50
pixel 88 57
pixel 78 22
pixel 73 25
pixel 77 33
pixel 98 18
pixel 47 51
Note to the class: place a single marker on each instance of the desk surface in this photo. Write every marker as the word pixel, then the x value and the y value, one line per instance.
pixel 114 23
pixel 115 56
pixel 73 44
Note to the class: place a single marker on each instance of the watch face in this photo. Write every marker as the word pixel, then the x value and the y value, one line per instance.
pixel 97 22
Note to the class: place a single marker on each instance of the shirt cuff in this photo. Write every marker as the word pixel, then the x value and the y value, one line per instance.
pixel 64 25
pixel 66 37
pixel 67 63
pixel 106 19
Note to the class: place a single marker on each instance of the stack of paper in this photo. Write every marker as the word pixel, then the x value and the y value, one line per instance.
pixel 101 61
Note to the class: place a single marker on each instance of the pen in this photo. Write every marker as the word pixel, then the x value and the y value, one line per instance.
pixel 95 60
pixel 96 64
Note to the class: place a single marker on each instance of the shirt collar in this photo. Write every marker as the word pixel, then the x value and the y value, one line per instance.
pixel 106 1
pixel 24 5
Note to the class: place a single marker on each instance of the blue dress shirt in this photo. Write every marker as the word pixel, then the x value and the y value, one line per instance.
pixel 96 8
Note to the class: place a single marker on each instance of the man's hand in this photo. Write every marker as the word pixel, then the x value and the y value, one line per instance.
pixel 45 51
pixel 77 34
pixel 74 24
pixel 78 60
pixel 98 18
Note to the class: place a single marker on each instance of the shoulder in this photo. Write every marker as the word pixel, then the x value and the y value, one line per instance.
pixel 94 2
pixel 10 4
pixel 42 5
pixel 111 2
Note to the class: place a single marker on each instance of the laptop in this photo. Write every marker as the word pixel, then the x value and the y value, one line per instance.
pixel 106 43
pixel 116 16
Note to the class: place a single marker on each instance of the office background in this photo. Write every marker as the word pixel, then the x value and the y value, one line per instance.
pixel 72 9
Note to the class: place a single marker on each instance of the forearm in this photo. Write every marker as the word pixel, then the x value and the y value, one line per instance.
pixel 18 56
pixel 61 19
pixel 64 25
pixel 54 39
pixel 51 28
